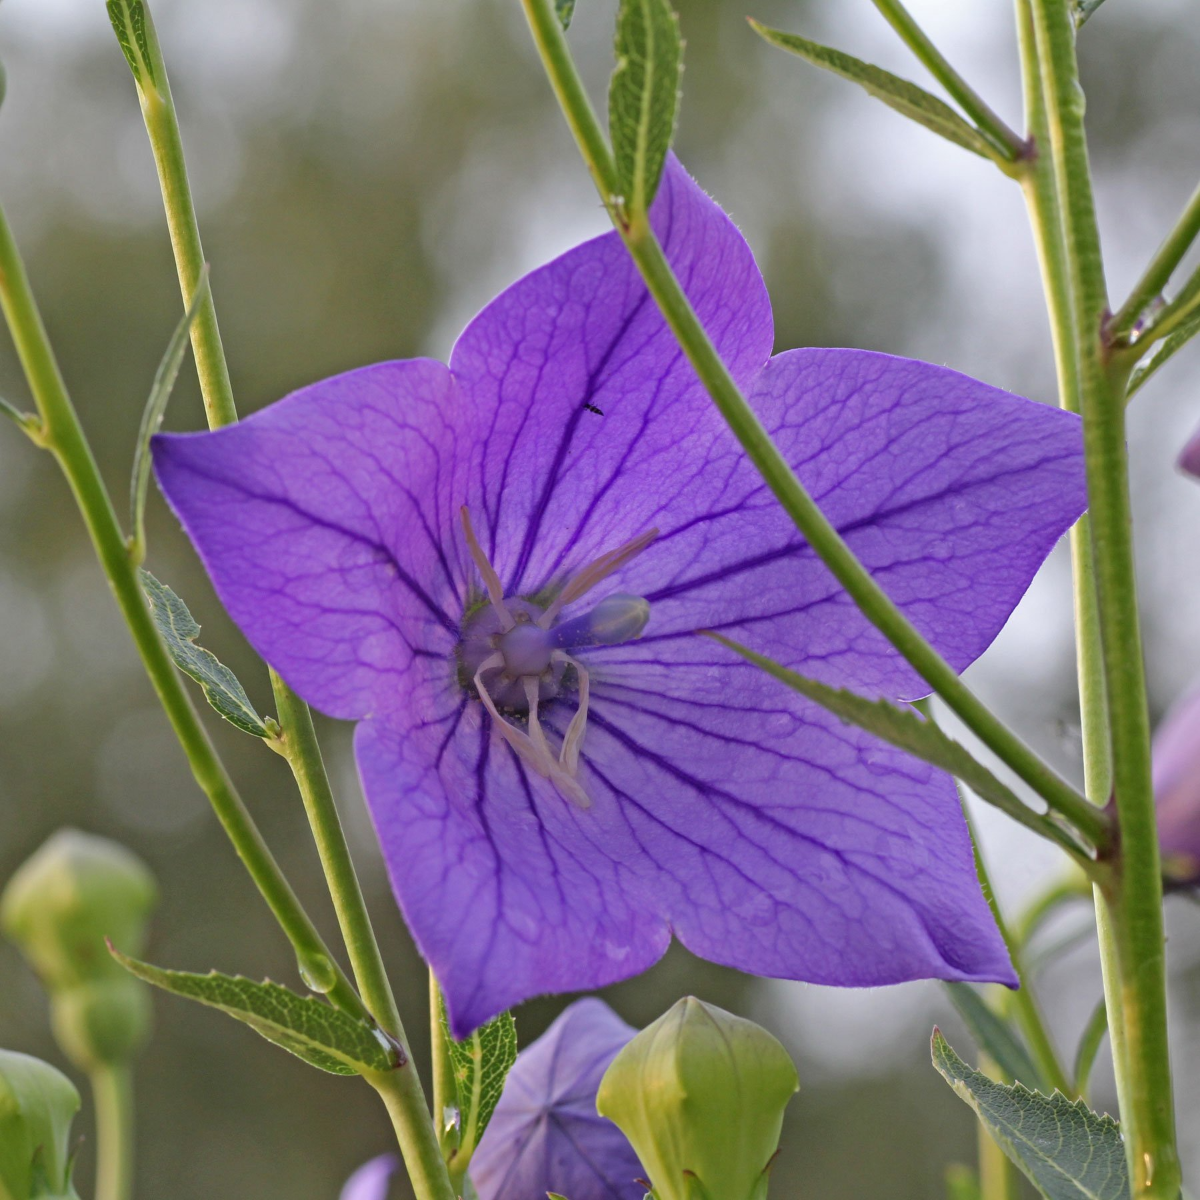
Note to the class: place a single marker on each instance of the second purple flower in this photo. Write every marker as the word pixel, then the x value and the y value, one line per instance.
pixel 497 567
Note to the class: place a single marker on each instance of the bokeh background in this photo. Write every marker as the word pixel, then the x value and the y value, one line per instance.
pixel 368 173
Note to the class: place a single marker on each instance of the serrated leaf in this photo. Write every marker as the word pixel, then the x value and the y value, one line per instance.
pixel 153 413
pixel 1171 345
pixel 564 10
pixel 900 726
pixel 643 97
pixel 906 98
pixel 481 1064
pixel 220 685
pixel 994 1036
pixel 309 1028
pixel 1066 1150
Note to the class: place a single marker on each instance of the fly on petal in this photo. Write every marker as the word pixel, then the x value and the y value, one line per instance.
pixel 497 567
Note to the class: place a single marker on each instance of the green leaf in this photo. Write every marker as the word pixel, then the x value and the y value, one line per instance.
pixel 128 19
pixel 309 1028
pixel 643 97
pixel 565 9
pixel 1089 1045
pixel 902 727
pixel 1068 1151
pixel 994 1036
pixel 1171 345
pixel 28 423
pixel 481 1065
pixel 906 98
pixel 179 629
pixel 1084 9
pixel 152 415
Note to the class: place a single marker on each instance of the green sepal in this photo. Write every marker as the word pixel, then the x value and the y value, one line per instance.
pixel 995 1036
pixel 564 10
pixel 179 630
pixel 481 1064
pixel 318 1033
pixel 900 726
pixel 906 98
pixel 1067 1151
pixel 37 1105
pixel 128 19
pixel 1171 345
pixel 153 413
pixel 643 98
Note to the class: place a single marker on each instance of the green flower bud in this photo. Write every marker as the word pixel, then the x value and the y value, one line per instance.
pixel 58 908
pixel 700 1095
pixel 37 1104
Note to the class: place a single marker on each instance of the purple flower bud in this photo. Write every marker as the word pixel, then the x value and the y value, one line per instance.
pixel 546 1135
pixel 370 1181
pixel 1177 787
pixel 1189 460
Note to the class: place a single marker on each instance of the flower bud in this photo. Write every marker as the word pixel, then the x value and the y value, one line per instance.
pixel 1189 460
pixel 37 1105
pixel 700 1095
pixel 1177 790
pixel 58 908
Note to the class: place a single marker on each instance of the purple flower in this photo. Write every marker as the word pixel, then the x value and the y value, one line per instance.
pixel 371 1180
pixel 1177 789
pixel 422 549
pixel 1189 460
pixel 546 1135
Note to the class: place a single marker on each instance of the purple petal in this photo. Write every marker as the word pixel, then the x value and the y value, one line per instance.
pixel 324 521
pixel 761 831
pixel 545 1134
pixel 1189 460
pixel 370 1181
pixel 1177 788
pixel 952 493
pixel 560 484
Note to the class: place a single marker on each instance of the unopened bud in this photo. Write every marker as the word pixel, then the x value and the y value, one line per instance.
pixel 700 1095
pixel 59 908
pixel 37 1105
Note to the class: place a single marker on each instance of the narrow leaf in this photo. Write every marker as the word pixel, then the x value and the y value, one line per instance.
pixel 1089 1046
pixel 565 9
pixel 481 1065
pixel 905 728
pixel 1066 1150
pixel 179 629
pixel 128 19
pixel 643 97
pixel 1171 345
pixel 309 1028
pixel 994 1036
pixel 152 415
pixel 1084 9
pixel 28 423
pixel 906 98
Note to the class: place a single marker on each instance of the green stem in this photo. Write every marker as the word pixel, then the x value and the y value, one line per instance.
pixel 1156 275
pixel 445 1091
pixel 64 437
pixel 404 1097
pixel 112 1095
pixel 799 505
pixel 992 126
pixel 1132 888
pixel 1182 309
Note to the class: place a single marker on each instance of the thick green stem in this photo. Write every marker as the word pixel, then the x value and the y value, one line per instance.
pixel 1155 277
pixel 63 436
pixel 1132 887
pixel 403 1096
pixel 825 540
pixel 969 100
pixel 112 1095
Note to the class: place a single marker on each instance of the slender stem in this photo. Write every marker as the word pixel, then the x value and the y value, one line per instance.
pixel 799 505
pixel 445 1091
pixel 1166 258
pixel 64 437
pixel 969 100
pixel 1089 1045
pixel 1182 309
pixel 112 1094
pixel 403 1097
pixel 1133 888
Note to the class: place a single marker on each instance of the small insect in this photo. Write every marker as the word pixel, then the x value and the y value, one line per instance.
pixel 592 408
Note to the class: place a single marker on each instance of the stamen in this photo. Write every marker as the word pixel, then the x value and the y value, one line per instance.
pixel 491 580
pixel 594 573
pixel 573 738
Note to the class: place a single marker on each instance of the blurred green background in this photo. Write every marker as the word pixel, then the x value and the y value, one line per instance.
pixel 368 174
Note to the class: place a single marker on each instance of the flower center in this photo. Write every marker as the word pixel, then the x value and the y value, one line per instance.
pixel 516 655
